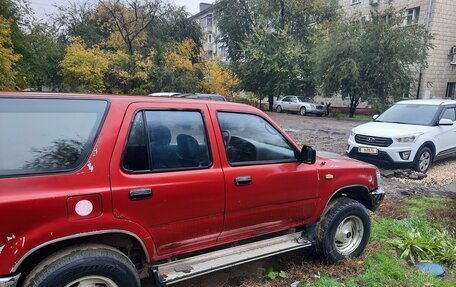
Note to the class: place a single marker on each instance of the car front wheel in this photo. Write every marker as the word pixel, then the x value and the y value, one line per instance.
pixel 423 160
pixel 303 111
pixel 84 266
pixel 344 230
pixel 279 109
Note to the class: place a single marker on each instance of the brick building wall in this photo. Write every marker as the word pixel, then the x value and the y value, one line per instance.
pixel 441 23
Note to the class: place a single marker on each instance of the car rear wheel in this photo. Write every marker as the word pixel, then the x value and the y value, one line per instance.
pixel 423 160
pixel 279 109
pixel 344 230
pixel 303 111
pixel 84 266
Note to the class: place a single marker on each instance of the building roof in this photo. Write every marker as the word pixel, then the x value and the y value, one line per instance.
pixel 209 9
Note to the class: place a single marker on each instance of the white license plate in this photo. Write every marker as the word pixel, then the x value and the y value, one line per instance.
pixel 369 150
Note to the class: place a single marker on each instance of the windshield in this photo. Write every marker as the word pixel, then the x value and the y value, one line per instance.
pixel 409 114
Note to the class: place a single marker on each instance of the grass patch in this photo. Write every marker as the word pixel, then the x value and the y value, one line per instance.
pixel 345 117
pixel 383 269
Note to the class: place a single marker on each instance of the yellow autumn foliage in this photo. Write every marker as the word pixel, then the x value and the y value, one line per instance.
pixel 7 56
pixel 179 57
pixel 218 79
pixel 83 68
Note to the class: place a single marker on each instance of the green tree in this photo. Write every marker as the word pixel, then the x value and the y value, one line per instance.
pixel 39 66
pixel 269 42
pixel 274 64
pixel 84 68
pixel 375 61
pixel 7 56
pixel 179 71
pixel 129 73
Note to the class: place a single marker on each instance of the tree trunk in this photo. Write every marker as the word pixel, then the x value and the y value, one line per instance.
pixel 353 104
pixel 282 14
pixel 271 102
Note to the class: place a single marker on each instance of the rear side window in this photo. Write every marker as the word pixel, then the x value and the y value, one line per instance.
pixel 166 141
pixel 47 135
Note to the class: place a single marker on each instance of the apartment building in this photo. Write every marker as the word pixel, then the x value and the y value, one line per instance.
pixel 439 17
pixel 212 48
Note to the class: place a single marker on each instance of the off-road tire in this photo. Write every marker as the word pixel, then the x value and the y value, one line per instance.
pixel 68 265
pixel 337 211
pixel 279 109
pixel 419 154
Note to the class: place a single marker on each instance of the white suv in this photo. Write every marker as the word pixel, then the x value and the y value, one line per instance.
pixel 411 133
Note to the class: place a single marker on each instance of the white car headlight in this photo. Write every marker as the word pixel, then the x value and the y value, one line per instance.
pixel 352 133
pixel 408 139
pixel 313 107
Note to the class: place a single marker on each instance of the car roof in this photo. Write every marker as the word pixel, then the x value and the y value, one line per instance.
pixel 431 102
pixel 118 98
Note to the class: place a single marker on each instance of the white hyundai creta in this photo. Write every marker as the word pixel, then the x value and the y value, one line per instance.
pixel 412 133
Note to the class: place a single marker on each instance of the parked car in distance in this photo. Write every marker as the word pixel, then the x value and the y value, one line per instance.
pixel 100 190
pixel 298 105
pixel 412 133
pixel 164 94
pixel 211 97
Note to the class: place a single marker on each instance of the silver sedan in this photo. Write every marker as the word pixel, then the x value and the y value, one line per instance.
pixel 298 105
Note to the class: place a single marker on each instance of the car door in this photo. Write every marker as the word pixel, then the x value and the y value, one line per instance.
pixel 166 175
pixel 267 189
pixel 287 104
pixel 446 136
pixel 295 106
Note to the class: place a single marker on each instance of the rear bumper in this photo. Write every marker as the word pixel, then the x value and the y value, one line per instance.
pixel 9 281
pixel 376 198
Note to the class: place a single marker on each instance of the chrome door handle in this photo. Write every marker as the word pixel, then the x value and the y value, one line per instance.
pixel 140 193
pixel 243 180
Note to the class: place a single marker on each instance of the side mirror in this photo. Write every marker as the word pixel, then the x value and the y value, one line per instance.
pixel 308 155
pixel 445 122
pixel 375 117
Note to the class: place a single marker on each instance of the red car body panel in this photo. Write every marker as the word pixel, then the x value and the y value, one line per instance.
pixel 189 210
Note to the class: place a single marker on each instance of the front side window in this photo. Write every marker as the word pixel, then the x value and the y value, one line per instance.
pixel 251 139
pixel 286 99
pixel 449 114
pixel 167 140
pixel 47 135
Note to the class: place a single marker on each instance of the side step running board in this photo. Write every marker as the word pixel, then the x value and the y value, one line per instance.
pixel 173 272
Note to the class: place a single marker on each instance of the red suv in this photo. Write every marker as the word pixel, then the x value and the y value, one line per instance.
pixel 103 190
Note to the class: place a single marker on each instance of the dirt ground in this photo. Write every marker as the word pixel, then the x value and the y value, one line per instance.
pixel 327 134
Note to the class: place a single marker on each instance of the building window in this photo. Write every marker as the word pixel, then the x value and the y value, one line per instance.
pixel 354 2
pixel 451 90
pixel 209 20
pixel 412 16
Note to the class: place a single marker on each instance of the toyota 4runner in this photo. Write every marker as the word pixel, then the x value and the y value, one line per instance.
pixel 104 190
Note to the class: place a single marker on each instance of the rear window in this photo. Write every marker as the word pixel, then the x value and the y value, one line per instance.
pixel 47 135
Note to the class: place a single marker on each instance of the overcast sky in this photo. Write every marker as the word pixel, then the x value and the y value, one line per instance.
pixel 43 7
